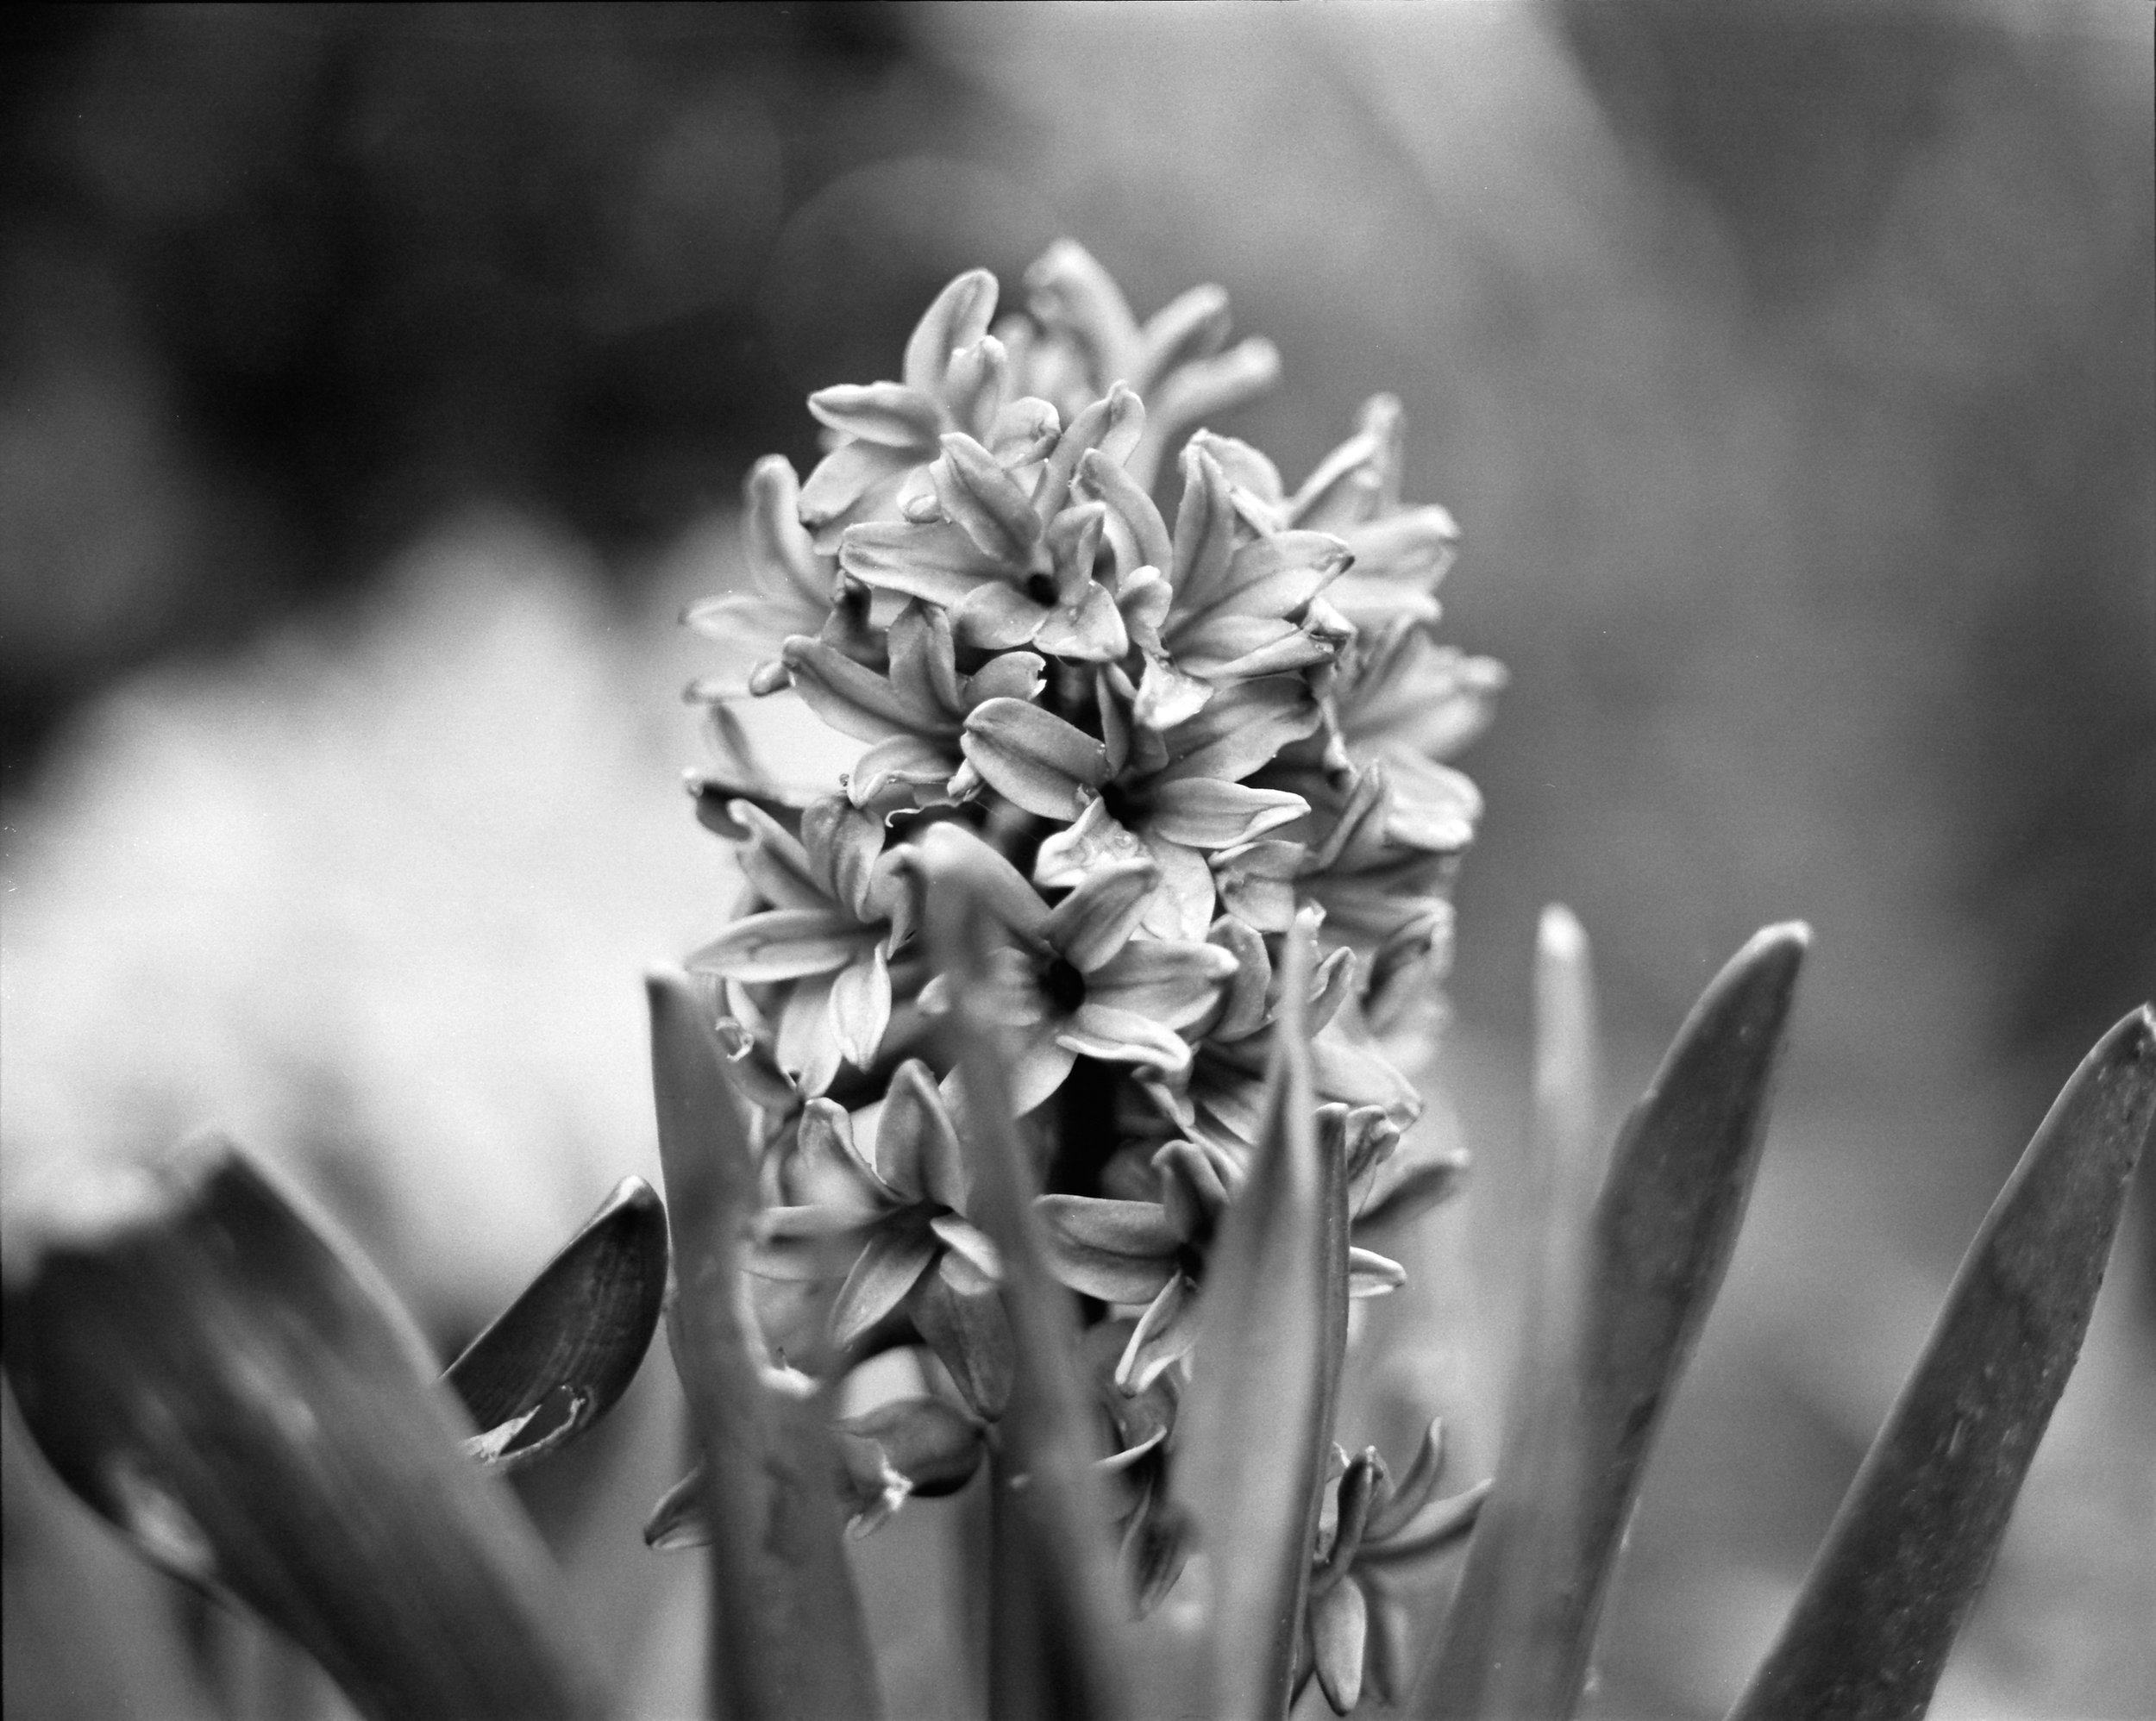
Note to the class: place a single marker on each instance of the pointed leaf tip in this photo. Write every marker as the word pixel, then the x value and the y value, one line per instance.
pixel 1652 1258
pixel 1908 1553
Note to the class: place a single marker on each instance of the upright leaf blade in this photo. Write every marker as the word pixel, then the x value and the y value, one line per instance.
pixel 1625 1307
pixel 224 1381
pixel 1255 1424
pixel 1054 1648
pixel 1869 1635
pixel 560 1356
pixel 789 1640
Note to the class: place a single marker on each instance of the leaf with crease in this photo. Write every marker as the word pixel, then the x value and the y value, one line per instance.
pixel 1624 1295
pixel 220 1375
pixel 559 1357
pixel 1908 1552
pixel 1256 1422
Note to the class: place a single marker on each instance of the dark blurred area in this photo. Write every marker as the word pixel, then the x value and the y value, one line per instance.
pixel 1791 369
pixel 282 284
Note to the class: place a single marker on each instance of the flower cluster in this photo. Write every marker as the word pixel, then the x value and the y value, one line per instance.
pixel 1151 738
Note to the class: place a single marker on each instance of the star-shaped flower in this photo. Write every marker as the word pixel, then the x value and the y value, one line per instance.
pixel 834 906
pixel 1072 982
pixel 893 1222
pixel 998 544
pixel 1371 1531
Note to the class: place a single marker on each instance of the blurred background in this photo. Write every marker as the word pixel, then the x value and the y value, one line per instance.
pixel 376 384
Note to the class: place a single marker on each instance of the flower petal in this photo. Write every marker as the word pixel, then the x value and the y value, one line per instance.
pixel 1338 1625
pixel 1257 882
pixel 780 553
pixel 1014 675
pixel 985 501
pixel 1123 1036
pixel 827 1173
pixel 934 1445
pixel 1095 840
pixel 1371 1275
pixel 783 944
pixel 1169 695
pixel 1241 729
pixel 1039 1063
pixel 888 415
pixel 1182 908
pixel 843 844
pixel 1119 1251
pixel 934 560
pixel 1192 325
pixel 958 316
pixel 849 475
pixel 1088 630
pixel 1071 294
pixel 1244 1010
pixel 952 848
pixel 860 1006
pixel 995 616
pixel 960 1313
pixel 853 700
pixel 1034 759
pixel 1205 812
pixel 1164 1333
pixel 894 1259
pixel 1174 982
pixel 775 862
pixel 905 772
pixel 917 1148
pixel 1103 478
pixel 1097 918
pixel 970 1242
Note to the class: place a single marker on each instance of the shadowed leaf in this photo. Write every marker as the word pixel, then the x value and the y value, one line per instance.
pixel 1054 1642
pixel 238 1392
pixel 1869 1635
pixel 788 1638
pixel 1256 1422
pixel 560 1356
pixel 1619 1309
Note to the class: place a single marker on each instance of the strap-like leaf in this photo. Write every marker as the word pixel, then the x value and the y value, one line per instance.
pixel 788 1637
pixel 212 1371
pixel 557 1359
pixel 1256 1423
pixel 1054 1648
pixel 1870 1631
pixel 1620 1312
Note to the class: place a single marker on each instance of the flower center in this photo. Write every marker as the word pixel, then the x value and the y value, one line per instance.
pixel 1040 588
pixel 1063 985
